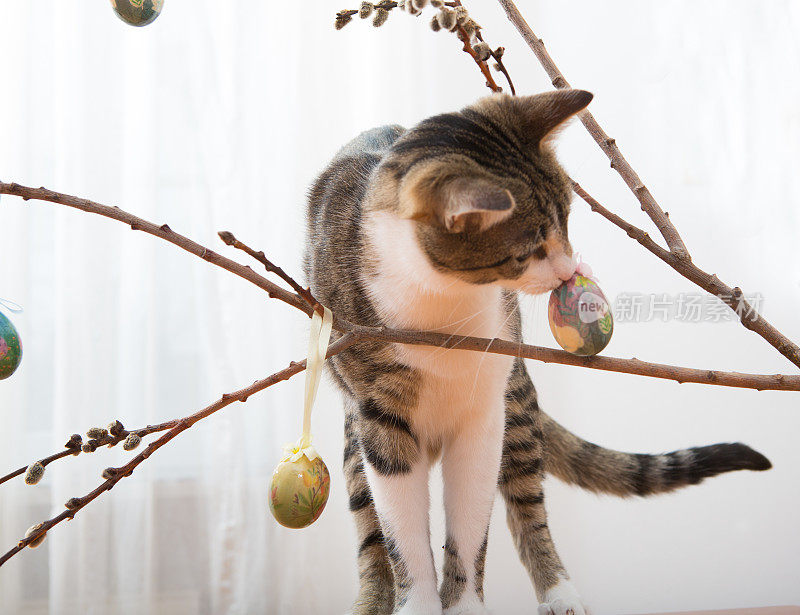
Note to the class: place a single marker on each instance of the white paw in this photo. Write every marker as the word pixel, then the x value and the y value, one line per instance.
pixel 562 599
pixel 416 610
pixel 561 607
pixel 420 607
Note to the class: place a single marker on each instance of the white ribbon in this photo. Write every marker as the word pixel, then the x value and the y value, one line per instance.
pixel 583 268
pixel 318 340
pixel 11 306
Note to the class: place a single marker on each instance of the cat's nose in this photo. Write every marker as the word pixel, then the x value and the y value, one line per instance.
pixel 564 265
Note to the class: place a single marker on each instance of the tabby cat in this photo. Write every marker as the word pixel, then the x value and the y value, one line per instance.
pixel 438 228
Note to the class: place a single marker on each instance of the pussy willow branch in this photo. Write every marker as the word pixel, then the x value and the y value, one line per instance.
pixel 629 366
pixel 464 36
pixel 180 425
pixel 70 450
pixel 73 446
pixel 383 9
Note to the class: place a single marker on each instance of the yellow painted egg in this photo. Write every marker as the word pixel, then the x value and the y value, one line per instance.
pixel 580 316
pixel 299 491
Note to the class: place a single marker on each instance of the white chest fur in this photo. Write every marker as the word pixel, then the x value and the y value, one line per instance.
pixel 408 293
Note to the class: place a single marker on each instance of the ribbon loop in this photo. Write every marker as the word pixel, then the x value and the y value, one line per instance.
pixel 15 308
pixel 319 338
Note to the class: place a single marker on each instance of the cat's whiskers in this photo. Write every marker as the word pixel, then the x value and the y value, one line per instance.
pixel 466 320
pixel 485 352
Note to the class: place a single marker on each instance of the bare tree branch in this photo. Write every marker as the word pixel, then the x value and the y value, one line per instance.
pixel 630 366
pixel 760 382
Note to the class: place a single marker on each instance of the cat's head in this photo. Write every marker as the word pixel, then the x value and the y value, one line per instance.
pixel 489 200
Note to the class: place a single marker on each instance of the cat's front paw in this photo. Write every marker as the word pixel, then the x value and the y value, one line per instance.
pixel 561 607
pixel 432 606
pixel 562 599
pixel 419 610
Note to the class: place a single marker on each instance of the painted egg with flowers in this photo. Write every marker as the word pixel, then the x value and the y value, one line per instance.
pixel 580 316
pixel 137 12
pixel 299 491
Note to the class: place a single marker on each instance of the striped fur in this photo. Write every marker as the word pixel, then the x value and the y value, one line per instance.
pixel 439 227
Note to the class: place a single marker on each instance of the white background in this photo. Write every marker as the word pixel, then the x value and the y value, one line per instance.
pixel 218 116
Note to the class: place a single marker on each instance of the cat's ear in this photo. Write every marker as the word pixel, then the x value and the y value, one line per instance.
pixel 474 204
pixel 541 115
pixel 458 204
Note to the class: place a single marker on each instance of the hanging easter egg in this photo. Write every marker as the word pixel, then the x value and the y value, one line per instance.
pixel 301 483
pixel 10 348
pixel 299 490
pixel 137 12
pixel 580 316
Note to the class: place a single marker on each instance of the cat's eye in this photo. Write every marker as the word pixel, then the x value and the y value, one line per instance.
pixel 539 253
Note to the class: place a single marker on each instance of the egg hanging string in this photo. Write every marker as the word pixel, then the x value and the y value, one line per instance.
pixel 319 338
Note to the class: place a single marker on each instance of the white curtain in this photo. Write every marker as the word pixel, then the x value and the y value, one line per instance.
pixel 218 116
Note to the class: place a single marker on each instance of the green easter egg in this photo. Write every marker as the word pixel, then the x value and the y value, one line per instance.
pixel 10 348
pixel 137 12
pixel 580 316
pixel 299 491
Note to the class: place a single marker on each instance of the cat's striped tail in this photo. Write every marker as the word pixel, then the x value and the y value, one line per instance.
pixel 602 470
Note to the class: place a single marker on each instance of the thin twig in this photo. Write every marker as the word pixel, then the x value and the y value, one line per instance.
pixel 305 293
pixel 497 56
pixel 117 474
pixel 44 462
pixel 464 37
pixel 484 68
